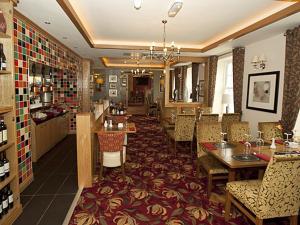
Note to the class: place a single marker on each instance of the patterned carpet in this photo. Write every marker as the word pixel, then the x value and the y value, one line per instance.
pixel 159 188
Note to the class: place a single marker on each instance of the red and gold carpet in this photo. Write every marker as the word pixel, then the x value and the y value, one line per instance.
pixel 159 188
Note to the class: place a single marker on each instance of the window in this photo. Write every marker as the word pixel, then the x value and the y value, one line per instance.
pixel 188 85
pixel 224 86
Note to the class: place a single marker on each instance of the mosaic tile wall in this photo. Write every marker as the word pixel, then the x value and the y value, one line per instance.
pixel 30 43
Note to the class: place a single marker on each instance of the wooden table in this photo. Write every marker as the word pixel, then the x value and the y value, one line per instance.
pixel 225 157
pixel 128 129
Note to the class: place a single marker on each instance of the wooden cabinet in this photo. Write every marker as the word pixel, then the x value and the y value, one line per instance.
pixel 46 135
pixel 8 113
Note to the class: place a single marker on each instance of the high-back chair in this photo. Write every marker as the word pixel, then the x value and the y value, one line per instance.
pixel 209 132
pixel 276 195
pixel 228 119
pixel 186 110
pixel 237 131
pixel 209 118
pixel 184 129
pixel 112 150
pixel 270 130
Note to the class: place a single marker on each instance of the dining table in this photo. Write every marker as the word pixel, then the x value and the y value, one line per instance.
pixel 128 128
pixel 227 154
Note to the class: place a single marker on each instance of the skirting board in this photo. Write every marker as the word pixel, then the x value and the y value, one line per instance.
pixel 72 207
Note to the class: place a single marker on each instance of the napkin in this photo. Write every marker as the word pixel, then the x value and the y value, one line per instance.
pixel 263 156
pixel 280 142
pixel 209 146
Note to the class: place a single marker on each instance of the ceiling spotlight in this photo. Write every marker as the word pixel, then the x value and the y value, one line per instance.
pixel 137 4
pixel 47 22
pixel 175 8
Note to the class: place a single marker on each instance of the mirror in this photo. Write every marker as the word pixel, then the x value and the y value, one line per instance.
pixel 186 82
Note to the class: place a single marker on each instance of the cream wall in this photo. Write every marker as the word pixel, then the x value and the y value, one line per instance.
pixel 274 50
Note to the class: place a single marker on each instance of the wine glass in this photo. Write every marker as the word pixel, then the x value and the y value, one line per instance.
pixel 223 142
pixel 247 144
pixel 286 141
pixel 259 141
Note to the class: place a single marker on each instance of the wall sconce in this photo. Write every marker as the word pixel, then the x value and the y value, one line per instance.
pixel 259 62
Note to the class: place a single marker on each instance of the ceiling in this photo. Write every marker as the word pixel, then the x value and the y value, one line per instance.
pixel 116 23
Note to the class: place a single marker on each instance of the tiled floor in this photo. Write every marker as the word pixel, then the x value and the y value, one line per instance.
pixel 49 196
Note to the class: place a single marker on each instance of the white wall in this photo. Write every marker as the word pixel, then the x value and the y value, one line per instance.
pixel 274 50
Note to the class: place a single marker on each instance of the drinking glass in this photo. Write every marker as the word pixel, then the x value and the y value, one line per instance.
pixel 259 141
pixel 247 149
pixel 223 142
pixel 286 141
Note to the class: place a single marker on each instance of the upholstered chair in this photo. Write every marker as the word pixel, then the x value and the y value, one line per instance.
pixel 270 130
pixel 237 131
pixel 112 150
pixel 184 129
pixel 186 110
pixel 228 119
pixel 209 132
pixel 167 113
pixel 276 195
pixel 209 118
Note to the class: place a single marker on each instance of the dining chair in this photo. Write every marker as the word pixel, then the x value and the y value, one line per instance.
pixel 184 129
pixel 209 132
pixel 228 119
pixel 186 110
pixel 151 106
pixel 167 112
pixel 112 150
pixel 237 131
pixel 276 195
pixel 209 117
pixel 118 119
pixel 270 130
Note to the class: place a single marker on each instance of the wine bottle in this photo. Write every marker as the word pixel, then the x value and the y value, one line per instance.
pixel 1 212
pixel 2 173
pixel 4 202
pixel 1 135
pixel 4 133
pixel 2 58
pixel 10 198
pixel 6 165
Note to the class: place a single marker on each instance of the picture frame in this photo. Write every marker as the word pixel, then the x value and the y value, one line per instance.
pixel 113 93
pixel 113 78
pixel 124 82
pixel 262 91
pixel 201 88
pixel 112 85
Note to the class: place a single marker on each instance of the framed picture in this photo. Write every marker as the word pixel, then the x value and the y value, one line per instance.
pixel 113 78
pixel 124 82
pixel 112 85
pixel 113 92
pixel 262 93
pixel 201 88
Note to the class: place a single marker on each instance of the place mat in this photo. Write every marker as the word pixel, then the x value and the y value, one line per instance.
pixel 280 142
pixel 131 128
pixel 245 158
pixel 253 143
pixel 263 156
pixel 209 146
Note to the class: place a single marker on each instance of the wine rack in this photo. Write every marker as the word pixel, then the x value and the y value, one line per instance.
pixel 7 112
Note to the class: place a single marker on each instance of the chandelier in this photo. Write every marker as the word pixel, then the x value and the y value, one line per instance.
pixel 169 53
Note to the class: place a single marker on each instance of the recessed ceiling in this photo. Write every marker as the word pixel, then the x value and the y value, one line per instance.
pixel 117 22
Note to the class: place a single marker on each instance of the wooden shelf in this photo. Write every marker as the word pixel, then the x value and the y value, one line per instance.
pixel 12 215
pixel 4 147
pixel 5 109
pixel 4 35
pixel 5 72
pixel 7 181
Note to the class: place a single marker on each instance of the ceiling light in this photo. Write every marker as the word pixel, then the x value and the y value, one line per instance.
pixel 47 22
pixel 175 8
pixel 137 4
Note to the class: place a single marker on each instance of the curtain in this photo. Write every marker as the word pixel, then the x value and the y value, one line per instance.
pixel 195 76
pixel 291 90
pixel 238 58
pixel 212 72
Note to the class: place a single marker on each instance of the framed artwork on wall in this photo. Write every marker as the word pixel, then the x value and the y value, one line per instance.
pixel 262 92
pixel 113 93
pixel 124 82
pixel 201 88
pixel 112 85
pixel 113 78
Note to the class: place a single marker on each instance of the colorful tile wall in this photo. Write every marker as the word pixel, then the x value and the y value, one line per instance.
pixel 31 44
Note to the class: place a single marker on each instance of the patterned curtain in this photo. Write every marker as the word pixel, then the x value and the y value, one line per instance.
pixel 238 58
pixel 212 73
pixel 291 91
pixel 195 74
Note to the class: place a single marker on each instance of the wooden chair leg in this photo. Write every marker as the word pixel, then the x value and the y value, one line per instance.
pixel 227 206
pixel 209 186
pixel 101 166
pixel 122 164
pixel 259 221
pixel 293 220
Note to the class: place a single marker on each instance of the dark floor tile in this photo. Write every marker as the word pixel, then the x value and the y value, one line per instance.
pixel 69 186
pixel 34 210
pixel 35 185
pixel 25 200
pixel 52 184
pixel 57 211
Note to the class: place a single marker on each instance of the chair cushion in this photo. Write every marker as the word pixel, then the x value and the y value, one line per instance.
pixel 112 159
pixel 245 192
pixel 211 165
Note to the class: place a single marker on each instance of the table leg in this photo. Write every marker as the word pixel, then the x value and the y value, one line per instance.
pixel 231 175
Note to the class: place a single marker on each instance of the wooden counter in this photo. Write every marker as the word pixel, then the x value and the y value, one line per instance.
pixel 46 135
